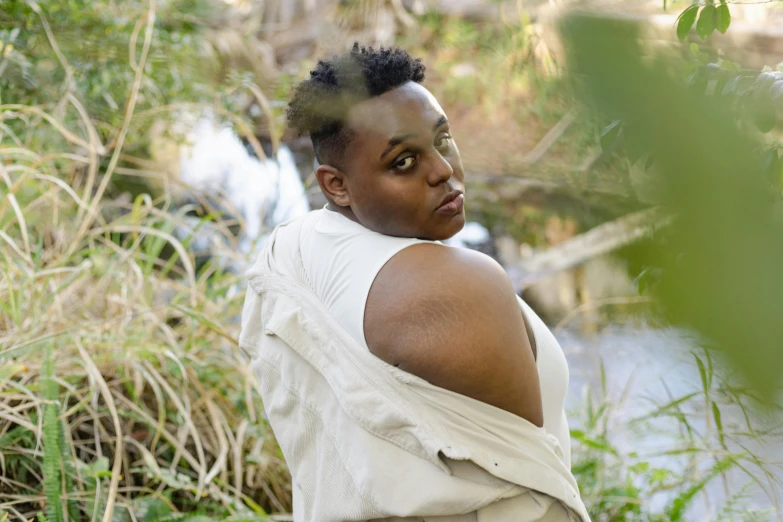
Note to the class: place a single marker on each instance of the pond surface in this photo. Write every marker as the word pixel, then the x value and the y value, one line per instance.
pixel 646 367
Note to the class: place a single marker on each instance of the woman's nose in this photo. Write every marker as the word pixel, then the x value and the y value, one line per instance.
pixel 441 170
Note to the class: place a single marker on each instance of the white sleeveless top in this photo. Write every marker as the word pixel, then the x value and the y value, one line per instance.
pixel 341 259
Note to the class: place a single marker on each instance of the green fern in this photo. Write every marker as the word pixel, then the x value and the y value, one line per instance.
pixel 52 462
pixel 67 467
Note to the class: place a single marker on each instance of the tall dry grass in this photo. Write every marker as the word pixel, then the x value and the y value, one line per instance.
pixel 139 353
pixel 123 395
pixel 135 354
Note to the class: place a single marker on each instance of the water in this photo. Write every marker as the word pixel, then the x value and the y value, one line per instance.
pixel 264 192
pixel 261 194
pixel 646 367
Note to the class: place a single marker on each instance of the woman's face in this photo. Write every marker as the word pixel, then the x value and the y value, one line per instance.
pixel 402 169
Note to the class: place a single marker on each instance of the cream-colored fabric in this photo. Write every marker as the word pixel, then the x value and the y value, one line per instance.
pixel 341 260
pixel 367 441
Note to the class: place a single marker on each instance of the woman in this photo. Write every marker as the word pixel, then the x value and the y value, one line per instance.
pixel 403 378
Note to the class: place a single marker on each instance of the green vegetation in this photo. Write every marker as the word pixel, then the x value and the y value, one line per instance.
pixel 695 452
pixel 123 395
pixel 711 175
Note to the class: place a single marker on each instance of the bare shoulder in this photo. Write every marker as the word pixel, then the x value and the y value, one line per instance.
pixel 451 316
pixel 434 288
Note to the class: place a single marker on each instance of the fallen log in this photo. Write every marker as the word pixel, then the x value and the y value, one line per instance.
pixel 600 240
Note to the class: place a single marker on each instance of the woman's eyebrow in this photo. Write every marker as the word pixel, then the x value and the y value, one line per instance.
pixel 396 141
pixel 443 120
pixel 399 139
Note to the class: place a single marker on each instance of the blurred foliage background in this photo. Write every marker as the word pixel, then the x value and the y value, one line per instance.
pixel 623 157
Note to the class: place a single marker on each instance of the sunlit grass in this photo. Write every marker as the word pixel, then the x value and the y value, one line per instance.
pixel 121 386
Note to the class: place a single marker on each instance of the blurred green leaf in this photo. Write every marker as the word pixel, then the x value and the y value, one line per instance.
pixel 727 285
pixel 764 118
pixel 719 424
pixel 671 408
pixel 685 22
pixel 593 442
pixel 706 24
pixel 705 380
pixel 659 475
pixel 150 508
pixel 101 465
pixel 722 18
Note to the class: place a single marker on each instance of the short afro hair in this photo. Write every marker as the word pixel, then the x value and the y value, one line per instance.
pixel 321 103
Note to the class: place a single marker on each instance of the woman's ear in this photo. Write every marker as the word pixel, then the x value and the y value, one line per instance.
pixel 333 183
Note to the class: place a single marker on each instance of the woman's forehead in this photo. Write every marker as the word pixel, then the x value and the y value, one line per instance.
pixel 407 109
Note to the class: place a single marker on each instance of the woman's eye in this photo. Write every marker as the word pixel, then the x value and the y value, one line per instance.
pixel 442 141
pixel 405 163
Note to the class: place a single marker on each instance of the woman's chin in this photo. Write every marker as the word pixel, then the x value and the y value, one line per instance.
pixel 449 230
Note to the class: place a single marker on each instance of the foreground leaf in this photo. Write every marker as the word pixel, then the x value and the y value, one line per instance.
pixel 706 24
pixel 721 260
pixel 722 18
pixel 685 22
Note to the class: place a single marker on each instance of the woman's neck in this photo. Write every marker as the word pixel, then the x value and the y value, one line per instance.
pixel 345 211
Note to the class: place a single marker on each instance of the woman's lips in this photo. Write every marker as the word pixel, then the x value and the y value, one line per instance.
pixel 453 206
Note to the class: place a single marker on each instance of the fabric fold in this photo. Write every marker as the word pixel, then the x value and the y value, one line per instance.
pixel 367 441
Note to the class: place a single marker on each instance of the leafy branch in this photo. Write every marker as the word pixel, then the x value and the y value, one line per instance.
pixel 707 18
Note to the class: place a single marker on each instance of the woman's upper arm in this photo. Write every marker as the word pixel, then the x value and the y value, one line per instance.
pixel 451 317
